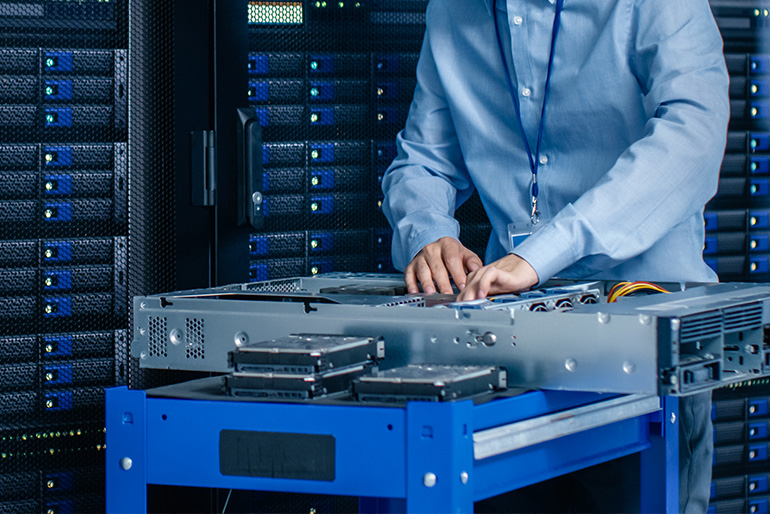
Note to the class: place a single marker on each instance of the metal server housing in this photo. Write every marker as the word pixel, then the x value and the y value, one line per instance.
pixel 667 344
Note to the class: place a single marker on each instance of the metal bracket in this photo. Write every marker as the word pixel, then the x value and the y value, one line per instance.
pixel 506 438
pixel 203 168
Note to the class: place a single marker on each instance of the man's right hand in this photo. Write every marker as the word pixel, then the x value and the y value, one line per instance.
pixel 436 262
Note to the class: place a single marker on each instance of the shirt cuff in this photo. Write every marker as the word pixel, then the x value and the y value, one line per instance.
pixel 549 250
pixel 419 240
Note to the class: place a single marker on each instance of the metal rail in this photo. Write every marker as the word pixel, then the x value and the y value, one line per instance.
pixel 521 434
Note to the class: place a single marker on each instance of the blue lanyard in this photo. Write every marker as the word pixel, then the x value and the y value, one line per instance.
pixel 534 160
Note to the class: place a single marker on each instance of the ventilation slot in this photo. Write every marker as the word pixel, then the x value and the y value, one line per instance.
pixel 743 317
pixel 157 346
pixel 413 302
pixel 195 338
pixel 701 326
pixel 275 286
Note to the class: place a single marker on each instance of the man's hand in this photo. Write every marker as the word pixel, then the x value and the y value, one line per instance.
pixel 436 262
pixel 507 275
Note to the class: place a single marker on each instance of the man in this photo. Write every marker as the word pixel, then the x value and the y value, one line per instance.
pixel 596 126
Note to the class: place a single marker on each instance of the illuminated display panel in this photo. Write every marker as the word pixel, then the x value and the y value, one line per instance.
pixel 275 13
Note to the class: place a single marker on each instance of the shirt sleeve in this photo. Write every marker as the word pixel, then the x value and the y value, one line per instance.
pixel 669 174
pixel 428 179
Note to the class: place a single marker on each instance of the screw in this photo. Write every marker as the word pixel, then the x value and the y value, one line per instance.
pixel 126 463
pixel 429 480
pixel 673 418
pixel 464 477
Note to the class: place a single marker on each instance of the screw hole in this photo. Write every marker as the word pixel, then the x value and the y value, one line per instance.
pixel 390 427
pixel 163 417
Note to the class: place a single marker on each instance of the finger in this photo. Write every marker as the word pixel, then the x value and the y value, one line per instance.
pixel 472 262
pixel 471 286
pixel 484 283
pixel 498 281
pixel 425 276
pixel 410 277
pixel 441 277
pixel 456 268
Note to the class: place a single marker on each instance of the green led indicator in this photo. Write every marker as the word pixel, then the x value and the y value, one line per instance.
pixel 341 4
pixel 314 91
pixel 314 181
pixel 756 12
pixel 754 112
pixel 753 189
pixel 753 166
pixel 48 157
pixel 318 4
pixel 753 143
pixel 48 253
pixel 753 243
pixel 48 90
pixel 314 270
pixel 314 243
pixel 314 206
pixel 50 62
pixel 754 89
pixel 314 154
pixel 323 4
pixel 313 65
pixel 49 186
pixel 313 117
pixel 48 213
pixel 49 118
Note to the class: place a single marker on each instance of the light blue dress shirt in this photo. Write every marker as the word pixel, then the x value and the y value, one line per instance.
pixel 634 134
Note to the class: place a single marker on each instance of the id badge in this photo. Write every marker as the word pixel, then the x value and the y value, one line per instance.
pixel 519 231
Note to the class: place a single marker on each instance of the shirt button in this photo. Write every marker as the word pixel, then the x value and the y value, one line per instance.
pixel 543 159
pixel 526 92
pixel 517 20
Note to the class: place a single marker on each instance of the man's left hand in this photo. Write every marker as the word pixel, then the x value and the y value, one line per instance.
pixel 507 275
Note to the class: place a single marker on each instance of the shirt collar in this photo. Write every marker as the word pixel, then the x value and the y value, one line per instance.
pixel 491 3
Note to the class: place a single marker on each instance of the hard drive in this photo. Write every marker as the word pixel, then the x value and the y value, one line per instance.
pixel 307 353
pixel 433 383
pixel 295 386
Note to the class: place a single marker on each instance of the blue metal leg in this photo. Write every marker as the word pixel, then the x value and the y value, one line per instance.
pixel 126 455
pixel 439 448
pixel 660 463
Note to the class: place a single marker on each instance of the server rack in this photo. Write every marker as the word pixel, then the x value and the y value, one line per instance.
pixel 737 232
pixel 736 218
pixel 63 247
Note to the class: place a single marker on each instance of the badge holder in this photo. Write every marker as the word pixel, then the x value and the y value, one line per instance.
pixel 519 231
